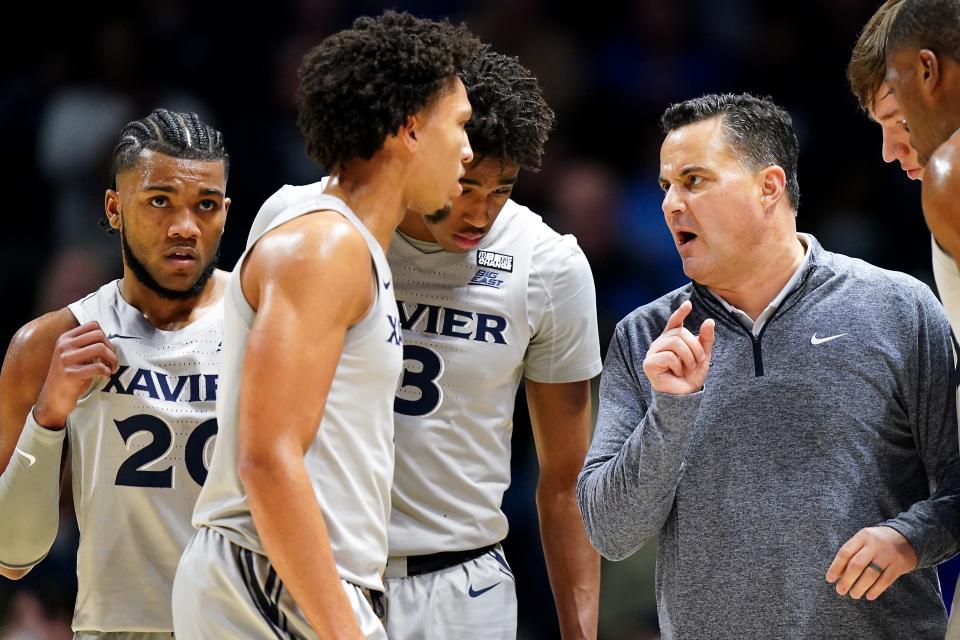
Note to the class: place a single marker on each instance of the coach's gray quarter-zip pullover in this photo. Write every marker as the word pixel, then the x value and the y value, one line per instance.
pixel 839 415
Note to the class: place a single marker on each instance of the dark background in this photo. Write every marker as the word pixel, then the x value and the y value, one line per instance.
pixel 73 75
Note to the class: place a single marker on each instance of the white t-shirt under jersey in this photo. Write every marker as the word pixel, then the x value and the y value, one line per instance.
pixel 523 302
pixel 350 461
pixel 139 445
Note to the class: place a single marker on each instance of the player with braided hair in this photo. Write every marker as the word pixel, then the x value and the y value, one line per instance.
pixel 125 380
pixel 487 294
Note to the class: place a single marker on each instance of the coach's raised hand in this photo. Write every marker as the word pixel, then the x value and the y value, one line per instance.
pixel 677 361
pixel 81 355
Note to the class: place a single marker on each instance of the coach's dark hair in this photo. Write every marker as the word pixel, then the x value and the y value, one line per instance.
pixel 360 85
pixel 927 24
pixel 178 135
pixel 759 132
pixel 511 120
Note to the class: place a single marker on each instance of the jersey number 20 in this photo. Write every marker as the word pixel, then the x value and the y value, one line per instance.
pixel 132 473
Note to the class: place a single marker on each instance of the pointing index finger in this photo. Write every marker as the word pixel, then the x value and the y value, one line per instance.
pixel 677 317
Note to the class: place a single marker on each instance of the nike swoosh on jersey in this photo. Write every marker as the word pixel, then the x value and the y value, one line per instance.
pixel 386 285
pixel 474 594
pixel 117 336
pixel 31 459
pixel 816 340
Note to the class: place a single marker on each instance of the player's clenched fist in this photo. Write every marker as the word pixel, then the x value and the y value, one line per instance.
pixel 80 355
pixel 677 361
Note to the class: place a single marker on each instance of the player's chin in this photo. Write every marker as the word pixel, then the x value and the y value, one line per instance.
pixel 180 280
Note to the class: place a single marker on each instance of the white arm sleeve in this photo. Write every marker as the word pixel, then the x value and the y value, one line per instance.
pixel 30 496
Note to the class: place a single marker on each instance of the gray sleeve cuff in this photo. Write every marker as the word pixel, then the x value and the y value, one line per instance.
pixel 917 537
pixel 676 410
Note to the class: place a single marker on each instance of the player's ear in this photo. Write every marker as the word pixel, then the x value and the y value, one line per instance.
pixel 773 185
pixel 111 207
pixel 929 70
pixel 408 133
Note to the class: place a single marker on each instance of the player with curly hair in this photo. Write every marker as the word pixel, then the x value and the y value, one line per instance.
pixel 488 294
pixel 292 538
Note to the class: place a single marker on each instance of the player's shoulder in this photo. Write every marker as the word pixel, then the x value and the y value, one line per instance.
pixel 941 179
pixel 290 194
pixel 286 198
pixel 320 248
pixel 40 335
pixel 551 249
pixel 315 237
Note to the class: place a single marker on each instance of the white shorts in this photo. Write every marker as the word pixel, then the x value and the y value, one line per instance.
pixel 225 591
pixel 474 600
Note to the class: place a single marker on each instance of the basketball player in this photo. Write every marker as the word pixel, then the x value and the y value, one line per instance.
pixel 488 293
pixel 927 38
pixel 923 70
pixel 867 75
pixel 292 538
pixel 127 377
pixel 866 72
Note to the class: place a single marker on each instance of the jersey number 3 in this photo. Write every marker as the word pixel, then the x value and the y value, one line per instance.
pixel 418 393
pixel 132 473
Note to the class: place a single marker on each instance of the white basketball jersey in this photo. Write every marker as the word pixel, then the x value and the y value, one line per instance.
pixel 522 302
pixel 947 277
pixel 351 459
pixel 139 446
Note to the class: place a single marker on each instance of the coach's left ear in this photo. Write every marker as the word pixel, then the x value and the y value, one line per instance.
pixel 773 186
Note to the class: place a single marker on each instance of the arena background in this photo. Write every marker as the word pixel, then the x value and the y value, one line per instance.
pixel 73 75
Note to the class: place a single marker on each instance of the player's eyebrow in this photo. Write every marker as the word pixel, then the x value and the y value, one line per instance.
pixel 165 188
pixel 884 116
pixel 476 183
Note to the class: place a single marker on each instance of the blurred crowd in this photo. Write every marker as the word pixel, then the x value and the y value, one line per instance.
pixel 608 70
